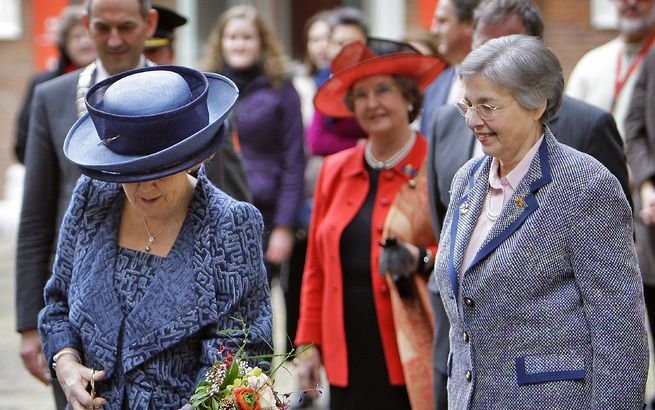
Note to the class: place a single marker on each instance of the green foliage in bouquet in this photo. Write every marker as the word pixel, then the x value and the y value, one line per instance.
pixel 232 384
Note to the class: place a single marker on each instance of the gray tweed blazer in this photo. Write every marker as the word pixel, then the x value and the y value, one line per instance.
pixel 550 314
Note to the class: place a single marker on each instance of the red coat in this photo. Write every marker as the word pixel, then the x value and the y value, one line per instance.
pixel 339 194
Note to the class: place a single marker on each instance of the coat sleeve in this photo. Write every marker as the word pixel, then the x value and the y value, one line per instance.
pixel 437 210
pixel 311 293
pixel 54 327
pixel 38 218
pixel 637 142
pixel 604 262
pixel 242 289
pixel 605 144
pixel 293 167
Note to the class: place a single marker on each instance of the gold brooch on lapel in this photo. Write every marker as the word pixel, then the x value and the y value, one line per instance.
pixel 464 208
pixel 519 201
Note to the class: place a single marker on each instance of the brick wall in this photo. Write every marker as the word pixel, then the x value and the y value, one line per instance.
pixel 15 73
pixel 568 32
pixel 568 28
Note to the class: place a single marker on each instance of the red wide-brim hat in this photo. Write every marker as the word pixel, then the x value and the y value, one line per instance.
pixel 356 61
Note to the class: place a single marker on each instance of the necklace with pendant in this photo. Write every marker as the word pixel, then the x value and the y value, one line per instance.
pixel 151 236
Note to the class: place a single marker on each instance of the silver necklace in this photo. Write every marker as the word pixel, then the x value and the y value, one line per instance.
pixel 487 207
pixel 152 237
pixel 393 160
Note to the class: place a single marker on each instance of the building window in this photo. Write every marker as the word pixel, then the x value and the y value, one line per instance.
pixel 10 23
pixel 603 15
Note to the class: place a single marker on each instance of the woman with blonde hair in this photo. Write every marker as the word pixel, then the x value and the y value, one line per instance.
pixel 243 47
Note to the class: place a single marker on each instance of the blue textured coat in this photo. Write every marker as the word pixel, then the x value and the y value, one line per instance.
pixel 154 356
pixel 550 314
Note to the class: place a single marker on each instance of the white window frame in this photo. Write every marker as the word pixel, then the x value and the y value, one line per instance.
pixel 603 15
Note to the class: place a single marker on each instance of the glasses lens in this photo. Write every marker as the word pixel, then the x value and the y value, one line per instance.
pixel 486 111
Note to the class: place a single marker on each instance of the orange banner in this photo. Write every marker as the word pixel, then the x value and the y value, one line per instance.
pixel 44 32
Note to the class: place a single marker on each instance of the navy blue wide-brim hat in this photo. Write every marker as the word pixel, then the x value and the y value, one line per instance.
pixel 149 123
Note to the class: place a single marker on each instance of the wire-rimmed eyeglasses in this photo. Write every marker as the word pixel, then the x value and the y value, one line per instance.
pixel 485 111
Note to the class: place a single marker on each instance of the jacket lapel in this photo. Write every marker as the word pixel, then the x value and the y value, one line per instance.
pixel 465 217
pixel 97 309
pixel 522 204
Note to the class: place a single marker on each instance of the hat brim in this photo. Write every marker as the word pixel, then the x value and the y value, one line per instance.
pixel 329 98
pixel 141 176
pixel 83 147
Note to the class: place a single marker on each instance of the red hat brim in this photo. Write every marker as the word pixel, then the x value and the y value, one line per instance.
pixel 329 99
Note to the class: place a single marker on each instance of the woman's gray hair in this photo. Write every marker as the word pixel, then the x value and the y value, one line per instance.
pixel 524 66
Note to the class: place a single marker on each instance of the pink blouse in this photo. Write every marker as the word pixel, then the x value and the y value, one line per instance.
pixel 500 190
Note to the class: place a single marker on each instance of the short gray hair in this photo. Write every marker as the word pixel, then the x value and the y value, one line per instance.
pixel 144 7
pixel 524 66
pixel 497 11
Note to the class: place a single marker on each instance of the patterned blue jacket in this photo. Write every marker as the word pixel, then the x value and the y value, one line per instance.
pixel 154 356
pixel 550 314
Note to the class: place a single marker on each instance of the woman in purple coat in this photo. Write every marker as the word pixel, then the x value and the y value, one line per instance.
pixel 268 120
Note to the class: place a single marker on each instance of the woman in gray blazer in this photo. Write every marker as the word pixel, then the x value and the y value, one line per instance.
pixel 536 266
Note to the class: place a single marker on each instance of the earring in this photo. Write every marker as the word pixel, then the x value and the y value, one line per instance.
pixel 410 108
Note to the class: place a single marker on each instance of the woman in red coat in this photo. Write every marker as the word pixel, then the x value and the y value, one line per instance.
pixel 346 309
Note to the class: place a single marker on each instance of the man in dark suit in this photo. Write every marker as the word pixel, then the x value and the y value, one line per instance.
pixel 452 24
pixel 119 29
pixel 452 143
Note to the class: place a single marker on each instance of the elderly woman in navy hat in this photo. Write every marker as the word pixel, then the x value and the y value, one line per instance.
pixel 151 263
pixel 352 310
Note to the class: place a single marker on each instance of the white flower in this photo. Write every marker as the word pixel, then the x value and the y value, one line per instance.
pixel 266 397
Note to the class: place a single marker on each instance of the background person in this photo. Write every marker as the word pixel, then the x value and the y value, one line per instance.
pixel 76 49
pixel 605 76
pixel 536 267
pixel 152 264
pixel 268 121
pixel 452 25
pixel 328 135
pixel 160 48
pixel 342 286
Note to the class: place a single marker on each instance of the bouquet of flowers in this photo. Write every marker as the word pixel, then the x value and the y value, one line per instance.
pixel 232 384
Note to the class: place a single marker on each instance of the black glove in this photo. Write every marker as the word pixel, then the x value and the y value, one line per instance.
pixel 396 259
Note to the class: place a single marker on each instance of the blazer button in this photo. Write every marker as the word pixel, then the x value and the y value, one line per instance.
pixel 379 228
pixel 469 302
pixel 383 288
pixel 469 376
pixel 465 337
pixel 384 201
